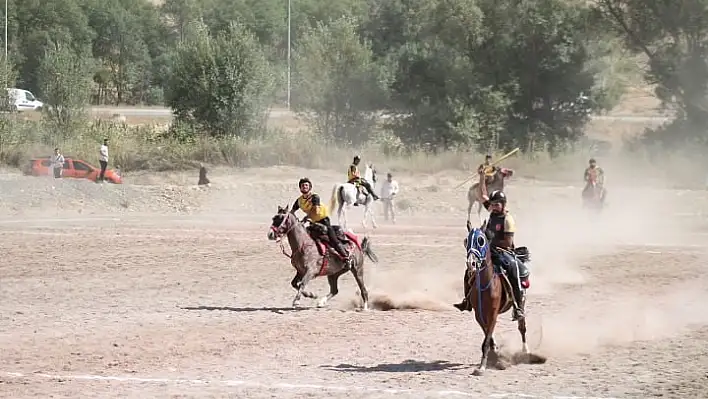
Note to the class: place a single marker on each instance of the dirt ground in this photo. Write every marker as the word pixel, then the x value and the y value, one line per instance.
pixel 162 289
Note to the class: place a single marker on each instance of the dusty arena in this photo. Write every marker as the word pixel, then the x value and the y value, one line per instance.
pixel 158 288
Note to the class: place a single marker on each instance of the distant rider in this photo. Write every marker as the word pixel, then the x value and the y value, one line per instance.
pixel 317 212
pixel 593 173
pixel 354 177
pixel 500 228
pixel 487 168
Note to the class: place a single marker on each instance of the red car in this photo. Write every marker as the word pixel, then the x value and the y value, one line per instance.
pixel 73 167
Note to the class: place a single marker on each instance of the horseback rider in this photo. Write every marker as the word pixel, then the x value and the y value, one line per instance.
pixel 487 167
pixel 311 204
pixel 354 177
pixel 593 174
pixel 500 228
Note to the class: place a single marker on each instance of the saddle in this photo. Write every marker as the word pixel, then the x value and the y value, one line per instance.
pixel 318 232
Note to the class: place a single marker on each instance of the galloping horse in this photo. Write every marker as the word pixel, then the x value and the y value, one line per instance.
pixel 474 194
pixel 489 293
pixel 313 257
pixel 347 194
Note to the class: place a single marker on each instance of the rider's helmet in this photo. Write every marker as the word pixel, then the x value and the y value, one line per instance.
pixel 497 196
pixel 356 158
pixel 303 181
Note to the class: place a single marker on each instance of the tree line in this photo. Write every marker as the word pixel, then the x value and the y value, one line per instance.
pixel 446 74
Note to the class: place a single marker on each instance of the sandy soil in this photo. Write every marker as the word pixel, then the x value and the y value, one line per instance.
pixel 161 289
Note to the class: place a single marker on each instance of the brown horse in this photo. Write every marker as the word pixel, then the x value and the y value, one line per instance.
pixel 313 257
pixel 495 182
pixel 489 293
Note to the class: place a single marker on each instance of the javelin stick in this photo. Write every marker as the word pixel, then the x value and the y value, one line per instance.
pixel 503 157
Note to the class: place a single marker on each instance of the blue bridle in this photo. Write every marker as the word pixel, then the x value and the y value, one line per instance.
pixel 477 244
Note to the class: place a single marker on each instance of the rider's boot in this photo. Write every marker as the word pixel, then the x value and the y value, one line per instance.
pixel 519 301
pixel 464 305
pixel 346 256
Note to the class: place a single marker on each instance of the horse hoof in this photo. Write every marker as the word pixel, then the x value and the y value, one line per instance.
pixel 322 303
pixel 478 372
pixel 366 307
pixel 296 305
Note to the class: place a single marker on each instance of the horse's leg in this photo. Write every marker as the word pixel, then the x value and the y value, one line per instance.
pixel 368 208
pixel 343 216
pixel 522 330
pixel 488 341
pixel 332 279
pixel 309 275
pixel 296 284
pixel 358 272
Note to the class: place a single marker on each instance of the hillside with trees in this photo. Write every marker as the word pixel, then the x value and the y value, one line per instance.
pixel 442 75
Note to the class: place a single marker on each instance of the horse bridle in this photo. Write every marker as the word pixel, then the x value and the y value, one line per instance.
pixel 283 228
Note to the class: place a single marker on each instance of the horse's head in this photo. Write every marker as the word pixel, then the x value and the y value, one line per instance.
pixel 477 246
pixel 283 222
pixel 505 172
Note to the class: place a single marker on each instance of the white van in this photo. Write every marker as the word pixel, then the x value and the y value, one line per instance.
pixel 23 100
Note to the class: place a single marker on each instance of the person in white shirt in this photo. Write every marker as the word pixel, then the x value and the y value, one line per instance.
pixel 57 163
pixel 389 189
pixel 103 159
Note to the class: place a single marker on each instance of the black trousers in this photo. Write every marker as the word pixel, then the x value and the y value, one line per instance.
pixel 104 165
pixel 364 183
pixel 57 173
pixel 333 240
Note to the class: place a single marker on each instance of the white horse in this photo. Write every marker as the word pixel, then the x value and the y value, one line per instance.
pixel 346 194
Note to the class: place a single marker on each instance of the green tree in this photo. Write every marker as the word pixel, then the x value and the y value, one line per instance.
pixel 673 36
pixel 222 85
pixel 337 85
pixel 65 81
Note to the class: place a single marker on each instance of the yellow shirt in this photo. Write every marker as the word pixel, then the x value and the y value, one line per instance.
pixel 353 172
pixel 313 211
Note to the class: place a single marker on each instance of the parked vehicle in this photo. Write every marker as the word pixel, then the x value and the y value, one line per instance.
pixel 73 168
pixel 23 100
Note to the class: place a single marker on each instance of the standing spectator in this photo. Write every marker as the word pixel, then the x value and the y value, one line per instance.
pixel 388 193
pixel 103 159
pixel 57 163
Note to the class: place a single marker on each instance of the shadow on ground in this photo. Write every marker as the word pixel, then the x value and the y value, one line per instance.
pixel 407 366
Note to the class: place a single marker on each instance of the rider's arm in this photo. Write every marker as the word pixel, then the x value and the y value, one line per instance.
pixel 483 188
pixel 295 207
pixel 586 175
pixel 315 200
pixel 509 230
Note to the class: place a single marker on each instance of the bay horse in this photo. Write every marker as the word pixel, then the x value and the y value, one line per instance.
pixel 490 294
pixel 474 194
pixel 312 257
pixel 345 195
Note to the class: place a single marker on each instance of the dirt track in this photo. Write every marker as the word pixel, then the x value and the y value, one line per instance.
pixel 141 298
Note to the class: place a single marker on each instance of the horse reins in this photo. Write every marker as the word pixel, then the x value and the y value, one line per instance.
pixel 279 236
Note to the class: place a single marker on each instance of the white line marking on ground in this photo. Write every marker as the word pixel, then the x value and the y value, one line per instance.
pixel 280 385
pixel 58 220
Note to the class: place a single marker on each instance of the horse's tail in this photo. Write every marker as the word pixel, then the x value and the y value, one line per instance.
pixel 366 248
pixel 333 198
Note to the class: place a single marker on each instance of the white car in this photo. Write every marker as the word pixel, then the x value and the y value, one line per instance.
pixel 23 100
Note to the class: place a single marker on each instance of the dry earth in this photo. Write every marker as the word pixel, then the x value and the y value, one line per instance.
pixel 161 289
